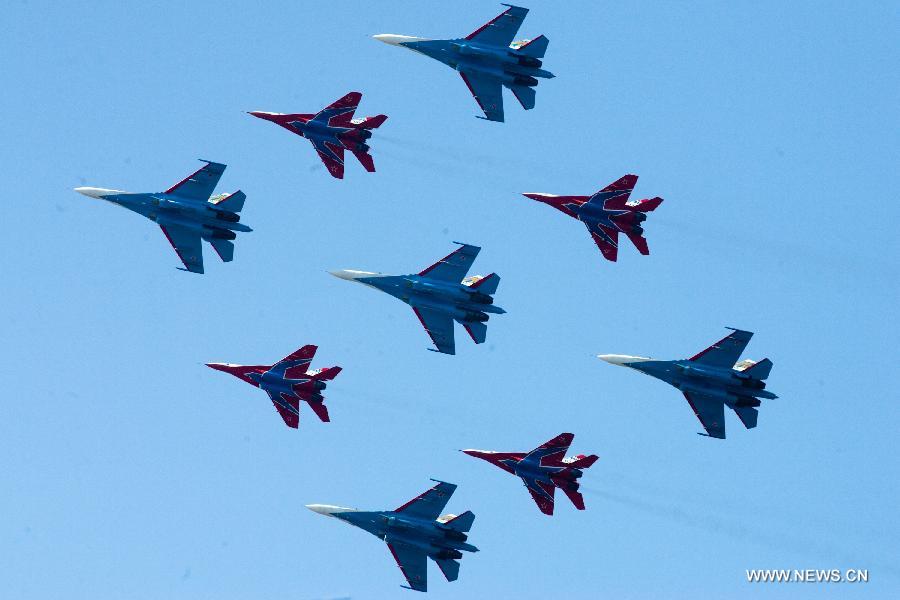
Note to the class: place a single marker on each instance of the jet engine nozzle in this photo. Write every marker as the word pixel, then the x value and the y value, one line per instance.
pixel 526 80
pixel 445 554
pixel 453 534
pixel 637 229
pixel 362 147
pixel 476 316
pixel 365 134
pixel 231 217
pixel 640 217
pixel 320 385
pixel 530 61
pixel 481 298
pixel 755 384
pixel 223 234
pixel 743 401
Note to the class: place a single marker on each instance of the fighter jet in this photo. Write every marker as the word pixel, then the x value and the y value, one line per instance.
pixel 488 59
pixel 187 212
pixel 607 213
pixel 439 295
pixel 544 469
pixel 709 382
pixel 332 130
pixel 414 532
pixel 287 382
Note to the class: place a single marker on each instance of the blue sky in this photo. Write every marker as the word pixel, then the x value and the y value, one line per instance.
pixel 130 470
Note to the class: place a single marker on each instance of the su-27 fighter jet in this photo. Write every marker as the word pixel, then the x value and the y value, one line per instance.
pixel 439 295
pixel 488 59
pixel 187 213
pixel 607 213
pixel 287 382
pixel 415 532
pixel 711 380
pixel 332 130
pixel 544 469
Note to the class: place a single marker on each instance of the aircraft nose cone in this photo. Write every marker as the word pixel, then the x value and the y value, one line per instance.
pixel 351 275
pixel 395 40
pixel 615 359
pixel 93 192
pixel 326 509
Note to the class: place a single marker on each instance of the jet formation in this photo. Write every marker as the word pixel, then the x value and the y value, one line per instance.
pixel 711 380
pixel 287 382
pixel 187 213
pixel 333 130
pixel 544 469
pixel 441 294
pixel 608 213
pixel 415 532
pixel 488 60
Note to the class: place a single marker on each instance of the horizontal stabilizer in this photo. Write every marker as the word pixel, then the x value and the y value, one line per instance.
pixel 525 95
pixel 321 411
pixel 486 285
pixel 372 122
pixel 575 496
pixel 477 331
pixel 760 370
pixel 365 159
pixel 748 416
pixel 231 202
pixel 462 522
pixel 535 48
pixel 223 248
pixel 328 374
pixel 449 567
pixel 583 462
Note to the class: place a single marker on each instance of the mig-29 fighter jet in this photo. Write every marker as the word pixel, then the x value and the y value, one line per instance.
pixel 287 382
pixel 607 213
pixel 332 130
pixel 711 380
pixel 187 213
pixel 488 59
pixel 439 295
pixel 544 469
pixel 415 532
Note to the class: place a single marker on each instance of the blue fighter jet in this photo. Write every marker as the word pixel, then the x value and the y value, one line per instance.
pixel 488 59
pixel 187 213
pixel 439 295
pixel 415 532
pixel 711 380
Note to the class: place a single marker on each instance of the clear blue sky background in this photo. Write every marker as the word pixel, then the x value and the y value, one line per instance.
pixel 130 470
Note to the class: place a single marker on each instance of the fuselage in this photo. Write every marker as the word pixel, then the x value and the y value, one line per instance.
pixel 165 209
pixel 455 299
pixel 735 388
pixel 318 130
pixel 305 388
pixel 500 62
pixel 428 535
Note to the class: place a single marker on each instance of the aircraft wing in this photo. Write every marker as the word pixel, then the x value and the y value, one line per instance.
pixel 414 564
pixel 440 327
pixel 288 407
pixel 615 195
pixel 430 504
pixel 340 112
pixel 200 184
pixel 488 92
pixel 502 29
pixel 187 245
pixel 296 364
pixel 725 352
pixel 711 413
pixel 454 266
pixel 542 494
pixel 607 240
pixel 553 450
pixel 333 157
